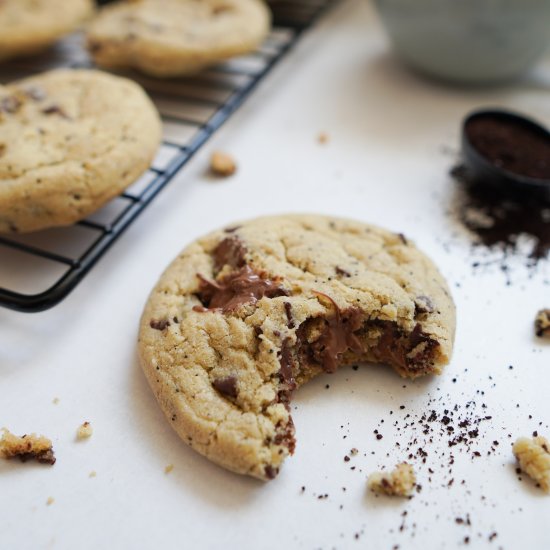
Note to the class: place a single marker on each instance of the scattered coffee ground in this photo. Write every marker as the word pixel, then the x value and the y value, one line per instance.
pixel 511 145
pixel 498 219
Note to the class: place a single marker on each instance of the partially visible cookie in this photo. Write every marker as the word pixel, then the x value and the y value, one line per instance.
pixel 542 323
pixel 533 456
pixel 247 314
pixel 70 140
pixel 176 37
pixel 28 26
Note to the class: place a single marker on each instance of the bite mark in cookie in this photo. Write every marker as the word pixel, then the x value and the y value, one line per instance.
pixel 263 309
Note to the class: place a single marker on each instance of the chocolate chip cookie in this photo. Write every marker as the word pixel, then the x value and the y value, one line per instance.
pixel 28 26
pixel 176 37
pixel 70 140
pixel 247 314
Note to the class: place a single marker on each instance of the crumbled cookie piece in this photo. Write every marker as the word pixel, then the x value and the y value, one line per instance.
pixel 92 474
pixel 222 164
pixel 542 323
pixel 323 138
pixel 533 456
pixel 168 468
pixel 84 431
pixel 55 400
pixel 50 501
pixel 26 447
pixel 400 482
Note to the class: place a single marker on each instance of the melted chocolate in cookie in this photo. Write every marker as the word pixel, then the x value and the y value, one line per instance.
pixel 413 352
pixel 231 251
pixel 338 336
pixel 346 330
pixel 286 372
pixel 244 286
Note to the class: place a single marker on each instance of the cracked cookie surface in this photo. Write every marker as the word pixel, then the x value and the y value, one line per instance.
pixel 28 26
pixel 70 140
pixel 245 315
pixel 176 37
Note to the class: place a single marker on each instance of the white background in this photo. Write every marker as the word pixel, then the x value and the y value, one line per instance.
pixel 392 137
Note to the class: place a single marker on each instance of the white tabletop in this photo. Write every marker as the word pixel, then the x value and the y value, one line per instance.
pixel 386 162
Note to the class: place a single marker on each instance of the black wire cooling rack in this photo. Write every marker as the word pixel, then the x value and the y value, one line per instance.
pixel 38 270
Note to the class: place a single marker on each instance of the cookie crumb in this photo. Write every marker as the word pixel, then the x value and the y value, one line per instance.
pixel 542 323
pixel 400 482
pixel 168 468
pixel 50 501
pixel 55 400
pixel 222 164
pixel 26 447
pixel 322 138
pixel 92 474
pixel 533 456
pixel 84 431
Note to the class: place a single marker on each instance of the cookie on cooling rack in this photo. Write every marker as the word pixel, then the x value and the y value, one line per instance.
pixel 70 140
pixel 176 37
pixel 245 315
pixel 28 26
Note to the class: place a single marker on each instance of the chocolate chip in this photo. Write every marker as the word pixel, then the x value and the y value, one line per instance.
pixel 286 371
pixel 342 272
pixel 271 472
pixel 230 251
pixel 46 457
pixel 160 324
pixel 423 304
pixel 288 311
pixel 226 386
pixel 403 238
pixel 285 435
pixel 55 110
pixel 232 229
